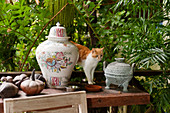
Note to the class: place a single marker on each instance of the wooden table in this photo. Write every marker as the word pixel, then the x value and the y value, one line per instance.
pixel 104 98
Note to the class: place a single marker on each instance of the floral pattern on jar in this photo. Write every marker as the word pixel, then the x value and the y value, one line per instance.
pixel 54 62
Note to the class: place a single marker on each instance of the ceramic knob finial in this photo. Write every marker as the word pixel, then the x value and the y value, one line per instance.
pixel 58 24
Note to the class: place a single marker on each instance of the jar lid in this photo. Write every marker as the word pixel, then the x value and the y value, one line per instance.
pixel 120 59
pixel 57 31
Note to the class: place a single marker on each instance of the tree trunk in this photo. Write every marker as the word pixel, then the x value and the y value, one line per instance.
pixel 94 39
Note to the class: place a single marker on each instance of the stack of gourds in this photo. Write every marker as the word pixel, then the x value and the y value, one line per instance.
pixel 30 85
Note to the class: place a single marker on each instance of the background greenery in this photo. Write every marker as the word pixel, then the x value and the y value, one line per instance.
pixel 131 29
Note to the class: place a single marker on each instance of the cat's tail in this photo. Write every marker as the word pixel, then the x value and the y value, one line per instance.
pixel 73 42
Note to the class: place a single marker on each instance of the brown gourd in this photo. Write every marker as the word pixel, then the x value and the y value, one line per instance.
pixel 19 79
pixel 40 77
pixel 32 86
pixel 3 79
pixel 8 89
pixel 6 79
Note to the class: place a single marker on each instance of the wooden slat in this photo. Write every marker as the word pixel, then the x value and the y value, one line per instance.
pixel 52 102
pixel 65 110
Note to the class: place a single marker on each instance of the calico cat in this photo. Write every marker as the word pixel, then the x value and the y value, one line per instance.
pixel 89 59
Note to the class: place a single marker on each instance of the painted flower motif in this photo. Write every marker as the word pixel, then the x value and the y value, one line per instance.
pixel 50 62
pixel 58 64
pixel 59 55
pixel 55 62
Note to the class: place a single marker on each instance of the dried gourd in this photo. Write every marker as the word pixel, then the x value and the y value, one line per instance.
pixel 40 77
pixel 19 79
pixel 7 79
pixel 32 86
pixel 8 89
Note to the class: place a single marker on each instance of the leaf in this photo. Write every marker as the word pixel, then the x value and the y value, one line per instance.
pixel 88 2
pixel 155 59
pixel 118 4
pixel 126 36
pixel 150 88
pixel 159 58
pixel 91 6
pixel 121 13
pixel 127 14
pixel 162 57
pixel 144 63
pixel 145 60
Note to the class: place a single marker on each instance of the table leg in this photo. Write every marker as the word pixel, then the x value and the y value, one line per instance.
pixel 113 109
pixel 122 109
pixel 125 109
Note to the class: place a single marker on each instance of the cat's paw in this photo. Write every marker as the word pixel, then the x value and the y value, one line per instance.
pixel 91 83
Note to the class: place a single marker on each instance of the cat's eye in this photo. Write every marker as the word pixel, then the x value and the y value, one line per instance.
pixel 101 55
pixel 96 55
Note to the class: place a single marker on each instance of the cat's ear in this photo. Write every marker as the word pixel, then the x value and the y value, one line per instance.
pixel 102 48
pixel 93 50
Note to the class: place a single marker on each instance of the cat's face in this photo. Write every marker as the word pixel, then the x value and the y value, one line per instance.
pixel 97 53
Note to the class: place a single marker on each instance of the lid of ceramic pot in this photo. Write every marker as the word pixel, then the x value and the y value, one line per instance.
pixel 57 31
pixel 118 68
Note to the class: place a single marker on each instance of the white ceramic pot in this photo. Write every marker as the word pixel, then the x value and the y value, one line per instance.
pixel 57 57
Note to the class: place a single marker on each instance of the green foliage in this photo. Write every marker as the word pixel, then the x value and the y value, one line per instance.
pixel 20 24
pixel 140 44
pixel 140 40
pixel 159 89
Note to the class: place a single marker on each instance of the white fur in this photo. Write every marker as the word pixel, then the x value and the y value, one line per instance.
pixel 89 65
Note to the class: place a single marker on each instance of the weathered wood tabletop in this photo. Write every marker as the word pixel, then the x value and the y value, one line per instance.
pixel 103 98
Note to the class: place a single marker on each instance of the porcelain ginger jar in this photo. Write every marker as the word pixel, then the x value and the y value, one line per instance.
pixel 118 73
pixel 57 57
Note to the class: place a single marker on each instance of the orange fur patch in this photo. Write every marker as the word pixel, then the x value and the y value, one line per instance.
pixel 97 53
pixel 84 52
